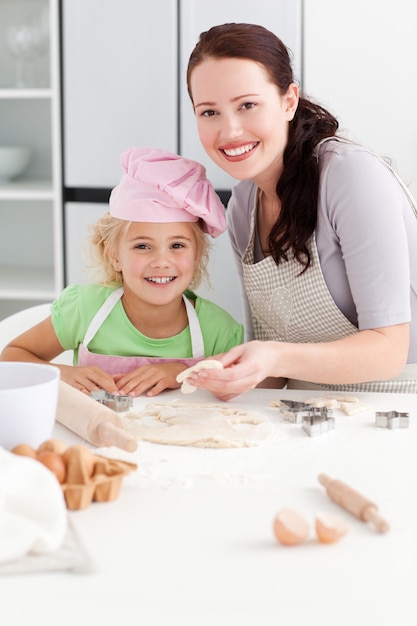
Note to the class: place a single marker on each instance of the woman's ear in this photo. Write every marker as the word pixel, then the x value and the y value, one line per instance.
pixel 291 101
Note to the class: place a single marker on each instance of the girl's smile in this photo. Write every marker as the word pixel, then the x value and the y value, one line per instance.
pixel 161 281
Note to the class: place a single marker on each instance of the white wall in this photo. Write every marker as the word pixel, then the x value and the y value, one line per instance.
pixel 360 61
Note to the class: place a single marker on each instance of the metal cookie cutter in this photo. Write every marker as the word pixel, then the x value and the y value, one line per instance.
pixel 294 411
pixel 392 419
pixel 113 401
pixel 318 421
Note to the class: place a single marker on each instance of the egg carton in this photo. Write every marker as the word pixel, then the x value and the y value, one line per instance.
pixel 92 478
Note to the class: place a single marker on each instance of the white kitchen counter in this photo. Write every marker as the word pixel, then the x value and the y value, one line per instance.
pixel 189 540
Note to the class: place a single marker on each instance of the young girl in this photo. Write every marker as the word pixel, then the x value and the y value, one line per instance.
pixel 137 329
pixel 324 233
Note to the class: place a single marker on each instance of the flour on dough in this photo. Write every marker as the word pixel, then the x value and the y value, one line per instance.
pixel 199 425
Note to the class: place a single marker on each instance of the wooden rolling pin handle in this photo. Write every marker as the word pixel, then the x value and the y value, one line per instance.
pixel 111 435
pixel 371 515
pixel 91 420
pixel 353 502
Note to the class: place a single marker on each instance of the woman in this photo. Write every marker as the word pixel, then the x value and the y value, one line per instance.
pixel 323 230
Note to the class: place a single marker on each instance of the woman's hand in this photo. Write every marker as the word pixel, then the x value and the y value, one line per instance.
pixel 149 379
pixel 245 367
pixel 374 354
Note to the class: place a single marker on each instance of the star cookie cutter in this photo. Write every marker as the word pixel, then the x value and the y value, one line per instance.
pixel 112 400
pixel 392 419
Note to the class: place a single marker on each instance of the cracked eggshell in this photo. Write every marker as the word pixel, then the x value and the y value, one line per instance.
pixel 290 528
pixel 330 528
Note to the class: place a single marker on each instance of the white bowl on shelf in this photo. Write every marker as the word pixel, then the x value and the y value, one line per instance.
pixel 13 161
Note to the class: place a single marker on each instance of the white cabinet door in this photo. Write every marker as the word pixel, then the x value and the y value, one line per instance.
pixel 362 66
pixel 283 17
pixel 119 84
pixel 78 218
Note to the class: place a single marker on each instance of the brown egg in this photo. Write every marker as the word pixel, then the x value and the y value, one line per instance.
pixel 290 528
pixel 24 449
pixel 53 445
pixel 330 528
pixel 80 462
pixel 54 462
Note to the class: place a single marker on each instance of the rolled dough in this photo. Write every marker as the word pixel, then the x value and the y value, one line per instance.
pixel 206 364
pixel 199 425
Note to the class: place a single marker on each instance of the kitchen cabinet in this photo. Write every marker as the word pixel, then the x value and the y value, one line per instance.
pixel 124 85
pixel 119 84
pixel 31 248
pixel 111 76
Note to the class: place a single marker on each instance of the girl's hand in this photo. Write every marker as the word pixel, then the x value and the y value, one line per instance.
pixel 149 379
pixel 245 367
pixel 87 379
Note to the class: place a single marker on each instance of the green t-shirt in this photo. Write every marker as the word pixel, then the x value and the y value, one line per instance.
pixel 73 311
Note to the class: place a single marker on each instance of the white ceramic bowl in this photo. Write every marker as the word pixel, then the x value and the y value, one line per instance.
pixel 28 403
pixel 13 161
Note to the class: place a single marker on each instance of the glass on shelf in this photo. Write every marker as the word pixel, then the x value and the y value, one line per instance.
pixel 28 43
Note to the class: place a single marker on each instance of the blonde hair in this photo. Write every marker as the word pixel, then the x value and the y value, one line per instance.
pixel 104 242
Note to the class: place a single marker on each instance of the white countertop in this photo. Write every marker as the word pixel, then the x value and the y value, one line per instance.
pixel 189 540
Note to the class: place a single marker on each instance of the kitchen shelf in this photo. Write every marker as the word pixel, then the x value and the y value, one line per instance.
pixel 27 283
pixel 31 234
pixel 25 94
pixel 27 189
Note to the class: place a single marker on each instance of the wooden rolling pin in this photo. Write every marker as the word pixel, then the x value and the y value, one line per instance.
pixel 91 420
pixel 353 502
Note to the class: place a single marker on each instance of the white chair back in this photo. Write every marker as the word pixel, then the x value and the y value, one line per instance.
pixel 18 322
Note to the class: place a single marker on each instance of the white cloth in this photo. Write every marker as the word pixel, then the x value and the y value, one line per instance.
pixel 33 513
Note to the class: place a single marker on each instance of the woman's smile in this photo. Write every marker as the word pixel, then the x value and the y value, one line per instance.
pixel 239 152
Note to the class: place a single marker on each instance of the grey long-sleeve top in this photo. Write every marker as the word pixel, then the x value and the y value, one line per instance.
pixel 366 238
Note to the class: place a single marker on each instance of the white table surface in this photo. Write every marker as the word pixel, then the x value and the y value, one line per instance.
pixel 189 539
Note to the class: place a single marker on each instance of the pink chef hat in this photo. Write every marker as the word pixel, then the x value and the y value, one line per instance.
pixel 158 186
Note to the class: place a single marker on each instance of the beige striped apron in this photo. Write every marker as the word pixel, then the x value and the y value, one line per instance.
pixel 298 308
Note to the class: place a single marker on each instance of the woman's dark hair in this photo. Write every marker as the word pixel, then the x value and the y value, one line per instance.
pixel 298 184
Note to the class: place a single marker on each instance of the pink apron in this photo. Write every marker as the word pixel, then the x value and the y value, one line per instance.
pixel 114 364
